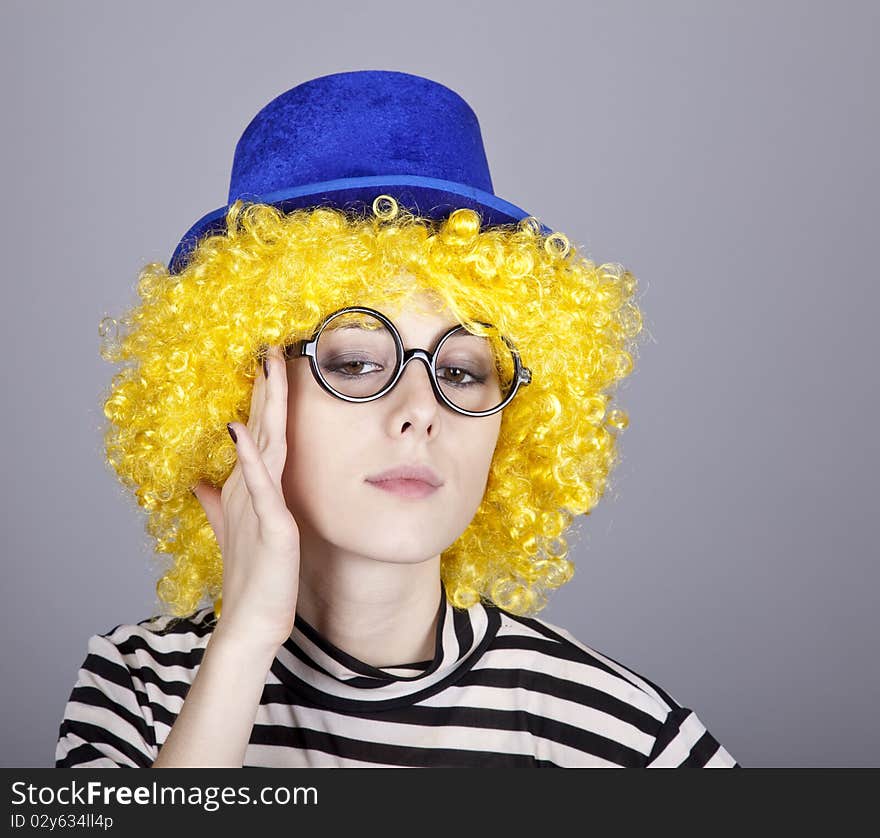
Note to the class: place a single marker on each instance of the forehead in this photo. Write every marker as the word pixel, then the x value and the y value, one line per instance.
pixel 423 313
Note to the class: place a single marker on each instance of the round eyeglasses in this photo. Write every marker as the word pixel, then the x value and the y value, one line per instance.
pixel 357 355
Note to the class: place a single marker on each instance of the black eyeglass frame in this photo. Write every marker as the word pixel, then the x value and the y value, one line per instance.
pixel 308 348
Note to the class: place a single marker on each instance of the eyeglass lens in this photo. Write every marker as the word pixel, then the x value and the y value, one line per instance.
pixel 357 356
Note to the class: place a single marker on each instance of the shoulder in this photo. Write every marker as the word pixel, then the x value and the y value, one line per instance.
pixel 161 642
pixel 558 657
pixel 635 721
pixel 133 679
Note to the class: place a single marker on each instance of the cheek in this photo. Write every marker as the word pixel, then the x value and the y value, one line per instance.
pixel 315 432
pixel 315 443
pixel 475 465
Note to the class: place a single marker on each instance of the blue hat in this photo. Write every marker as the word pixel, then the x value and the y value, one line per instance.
pixel 344 139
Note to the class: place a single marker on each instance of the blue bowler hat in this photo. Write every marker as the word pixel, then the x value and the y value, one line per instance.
pixel 344 139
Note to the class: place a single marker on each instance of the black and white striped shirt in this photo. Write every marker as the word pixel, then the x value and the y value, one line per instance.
pixel 501 691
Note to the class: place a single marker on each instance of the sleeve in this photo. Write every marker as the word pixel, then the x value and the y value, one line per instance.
pixel 104 724
pixel 684 742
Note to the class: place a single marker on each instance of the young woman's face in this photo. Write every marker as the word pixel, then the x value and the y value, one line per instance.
pixel 334 446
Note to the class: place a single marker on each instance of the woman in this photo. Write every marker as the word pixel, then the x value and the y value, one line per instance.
pixel 417 408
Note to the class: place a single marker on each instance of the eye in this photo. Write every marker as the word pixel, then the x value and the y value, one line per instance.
pixel 461 371
pixel 340 367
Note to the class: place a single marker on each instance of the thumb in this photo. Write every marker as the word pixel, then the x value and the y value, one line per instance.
pixel 209 497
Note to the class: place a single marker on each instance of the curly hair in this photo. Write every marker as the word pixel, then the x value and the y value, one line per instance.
pixel 194 342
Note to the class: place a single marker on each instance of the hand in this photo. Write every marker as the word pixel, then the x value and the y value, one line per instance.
pixel 258 536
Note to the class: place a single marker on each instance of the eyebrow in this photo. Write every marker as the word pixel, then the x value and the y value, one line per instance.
pixel 442 331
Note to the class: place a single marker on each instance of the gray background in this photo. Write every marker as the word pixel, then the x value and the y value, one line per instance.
pixel 721 151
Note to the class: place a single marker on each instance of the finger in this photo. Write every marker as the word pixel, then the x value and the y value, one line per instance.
pixel 273 419
pixel 209 498
pixel 258 398
pixel 266 498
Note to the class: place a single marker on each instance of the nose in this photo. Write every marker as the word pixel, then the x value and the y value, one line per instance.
pixel 421 360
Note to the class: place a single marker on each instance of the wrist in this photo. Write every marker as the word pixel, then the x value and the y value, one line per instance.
pixel 237 642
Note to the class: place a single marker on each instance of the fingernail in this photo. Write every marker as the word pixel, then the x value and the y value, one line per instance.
pixel 231 432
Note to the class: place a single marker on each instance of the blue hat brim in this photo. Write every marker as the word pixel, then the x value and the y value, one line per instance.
pixel 428 197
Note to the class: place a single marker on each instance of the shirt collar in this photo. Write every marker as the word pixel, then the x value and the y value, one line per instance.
pixel 318 672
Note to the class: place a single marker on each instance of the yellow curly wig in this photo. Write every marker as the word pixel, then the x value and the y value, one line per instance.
pixel 193 347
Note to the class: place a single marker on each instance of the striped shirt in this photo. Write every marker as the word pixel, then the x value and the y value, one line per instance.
pixel 501 691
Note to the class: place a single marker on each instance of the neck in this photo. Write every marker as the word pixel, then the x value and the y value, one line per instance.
pixel 381 613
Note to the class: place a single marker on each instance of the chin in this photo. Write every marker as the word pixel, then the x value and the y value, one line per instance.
pixel 403 547
pixel 397 544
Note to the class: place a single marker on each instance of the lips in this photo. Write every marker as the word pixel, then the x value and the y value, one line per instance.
pixel 405 488
pixel 409 471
